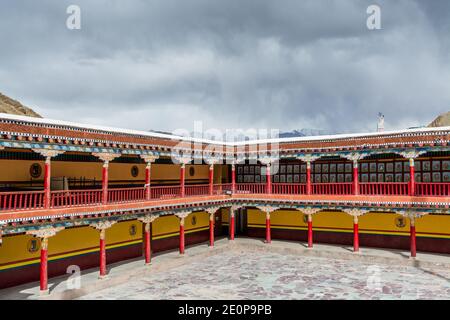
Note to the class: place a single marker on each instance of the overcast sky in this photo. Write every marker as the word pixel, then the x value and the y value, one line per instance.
pixel 231 64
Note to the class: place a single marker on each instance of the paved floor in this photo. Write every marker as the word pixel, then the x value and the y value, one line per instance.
pixel 262 275
pixel 249 269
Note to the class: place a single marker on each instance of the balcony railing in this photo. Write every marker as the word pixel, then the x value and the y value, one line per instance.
pixel 433 189
pixel 35 199
pixel 250 188
pixel 384 188
pixel 289 188
pixel 332 188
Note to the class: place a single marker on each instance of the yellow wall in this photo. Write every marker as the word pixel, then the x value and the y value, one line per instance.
pixel 371 223
pixel 19 170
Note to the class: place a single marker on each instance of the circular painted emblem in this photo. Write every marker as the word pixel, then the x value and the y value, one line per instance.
pixel 35 170
pixel 191 171
pixel 305 218
pixel 33 245
pixel 400 222
pixel 132 230
pixel 194 220
pixel 134 171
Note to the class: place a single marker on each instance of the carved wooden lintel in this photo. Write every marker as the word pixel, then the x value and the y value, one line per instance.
pixel 45 232
pixel 149 158
pixel 103 224
pixel 148 218
pixel 267 209
pixel 212 210
pixel 310 210
pixel 355 212
pixel 308 158
pixel 48 153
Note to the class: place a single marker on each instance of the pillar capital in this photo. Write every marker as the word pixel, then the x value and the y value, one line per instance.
pixel 45 232
pixel 212 210
pixel 308 158
pixel 412 215
pixel 105 156
pixel 211 161
pixel 48 153
pixel 182 214
pixel 411 154
pixel 102 225
pixel 149 158
pixel 355 212
pixel 267 209
pixel 355 156
pixel 310 210
pixel 148 218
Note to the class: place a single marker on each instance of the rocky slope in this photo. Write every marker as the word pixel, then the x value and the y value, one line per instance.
pixel 8 105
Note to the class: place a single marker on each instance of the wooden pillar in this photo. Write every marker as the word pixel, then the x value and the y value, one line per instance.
pixel 231 224
pixel 412 179
pixel 268 234
pixel 147 243
pixel 182 177
pixel 211 229
pixel 268 180
pixel 355 178
pixel 412 233
pixel 147 181
pixel 102 253
pixel 310 231
pixel 308 178
pixel 43 266
pixel 47 182
pixel 355 234
pixel 211 180
pixel 182 235
pixel 233 178
pixel 105 181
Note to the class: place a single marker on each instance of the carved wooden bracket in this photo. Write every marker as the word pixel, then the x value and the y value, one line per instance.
pixel 45 232
pixel 102 225
pixel 48 153
pixel 106 157
pixel 309 210
pixel 148 218
pixel 149 158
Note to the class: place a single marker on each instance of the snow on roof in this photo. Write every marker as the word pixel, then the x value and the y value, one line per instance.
pixel 61 123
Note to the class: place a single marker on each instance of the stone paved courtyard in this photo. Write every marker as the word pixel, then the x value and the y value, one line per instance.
pixel 263 275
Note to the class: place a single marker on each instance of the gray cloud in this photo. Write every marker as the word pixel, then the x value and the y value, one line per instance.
pixel 273 64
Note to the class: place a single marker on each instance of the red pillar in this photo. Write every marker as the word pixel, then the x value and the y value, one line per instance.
pixel 211 179
pixel 412 231
pixel 412 180
pixel 147 181
pixel 47 177
pixel 355 235
pixel 211 230
pixel 43 267
pixel 147 246
pixel 233 178
pixel 310 232
pixel 102 253
pixel 105 182
pixel 182 176
pixel 308 178
pixel 355 178
pixel 232 225
pixel 268 235
pixel 268 180
pixel 181 235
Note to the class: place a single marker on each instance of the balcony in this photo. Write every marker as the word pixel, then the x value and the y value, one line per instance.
pixel 31 200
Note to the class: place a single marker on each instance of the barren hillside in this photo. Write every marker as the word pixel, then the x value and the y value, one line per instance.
pixel 8 105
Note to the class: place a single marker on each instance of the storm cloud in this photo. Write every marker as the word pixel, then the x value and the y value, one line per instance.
pixel 232 64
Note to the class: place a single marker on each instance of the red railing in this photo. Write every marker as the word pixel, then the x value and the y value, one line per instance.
pixel 196 190
pixel 165 192
pixel 21 200
pixel 126 194
pixel 71 198
pixel 384 188
pixel 35 199
pixel 250 188
pixel 438 189
pixel 332 188
pixel 289 188
pixel 222 188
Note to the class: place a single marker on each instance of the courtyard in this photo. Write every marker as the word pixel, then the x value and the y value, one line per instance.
pixel 242 274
